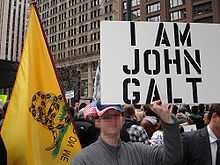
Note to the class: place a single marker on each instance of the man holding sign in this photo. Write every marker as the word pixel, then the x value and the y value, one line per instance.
pixel 109 149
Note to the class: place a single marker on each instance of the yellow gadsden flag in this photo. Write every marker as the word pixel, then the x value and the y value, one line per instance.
pixel 36 129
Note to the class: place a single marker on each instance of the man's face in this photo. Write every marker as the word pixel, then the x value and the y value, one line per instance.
pixel 111 122
pixel 205 119
pixel 217 121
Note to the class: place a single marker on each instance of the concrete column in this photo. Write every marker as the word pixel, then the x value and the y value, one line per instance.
pixel 164 10
pixel 189 16
pixel 216 11
pixel 90 80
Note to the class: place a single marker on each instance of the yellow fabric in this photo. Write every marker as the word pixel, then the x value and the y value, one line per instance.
pixel 36 113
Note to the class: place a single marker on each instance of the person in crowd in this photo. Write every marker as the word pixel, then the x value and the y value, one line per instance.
pixel 148 111
pixel 130 119
pixel 138 134
pixel 196 117
pixel 202 147
pixel 181 116
pixel 85 128
pixel 174 109
pixel 86 131
pixel 202 108
pixel 110 150
pixel 206 118
pixel 139 113
pixel 149 123
pixel 157 137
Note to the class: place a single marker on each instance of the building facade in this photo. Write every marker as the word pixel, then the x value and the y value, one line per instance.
pixel 203 11
pixel 13 24
pixel 1 21
pixel 73 32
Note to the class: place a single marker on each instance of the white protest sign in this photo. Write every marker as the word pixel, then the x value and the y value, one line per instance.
pixel 69 94
pixel 189 128
pixel 173 62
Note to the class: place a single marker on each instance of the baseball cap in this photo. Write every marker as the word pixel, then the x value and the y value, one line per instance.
pixel 102 108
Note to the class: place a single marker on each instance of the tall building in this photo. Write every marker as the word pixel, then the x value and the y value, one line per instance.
pixel 13 23
pixel 13 19
pixel 1 21
pixel 204 11
pixel 73 32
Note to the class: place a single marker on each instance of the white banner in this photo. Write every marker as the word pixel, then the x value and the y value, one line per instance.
pixel 173 62
pixel 69 94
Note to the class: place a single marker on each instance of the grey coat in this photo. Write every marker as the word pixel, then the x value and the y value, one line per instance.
pixel 100 153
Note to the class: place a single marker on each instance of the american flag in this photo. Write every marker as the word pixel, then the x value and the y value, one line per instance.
pixel 90 109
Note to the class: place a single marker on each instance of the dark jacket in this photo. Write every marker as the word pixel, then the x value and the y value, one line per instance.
pixel 124 134
pixel 196 148
pixel 87 132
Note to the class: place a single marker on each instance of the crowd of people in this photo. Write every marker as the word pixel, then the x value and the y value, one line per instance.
pixel 141 123
pixel 147 134
pixel 198 127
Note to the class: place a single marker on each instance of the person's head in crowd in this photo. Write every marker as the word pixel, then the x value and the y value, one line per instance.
pixel 182 109
pixel 148 111
pixel 214 117
pixel 174 109
pixel 187 108
pixel 137 106
pixel 76 105
pixel 206 118
pixel 201 108
pixel 129 111
pixel 181 118
pixel 150 124
pixel 195 109
pixel 110 119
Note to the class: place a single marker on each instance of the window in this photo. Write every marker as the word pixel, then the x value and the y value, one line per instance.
pixel 153 19
pixel 153 7
pixel 174 3
pixel 84 91
pixel 202 9
pixel 180 14
pixel 106 9
pixel 135 13
pixel 125 5
pixel 133 3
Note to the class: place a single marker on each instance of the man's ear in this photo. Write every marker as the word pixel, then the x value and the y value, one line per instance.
pixel 214 115
pixel 97 123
